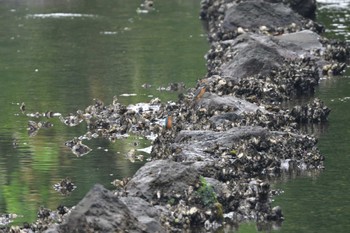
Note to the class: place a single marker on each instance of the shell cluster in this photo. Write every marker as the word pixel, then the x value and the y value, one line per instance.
pixel 65 186
pixel 229 135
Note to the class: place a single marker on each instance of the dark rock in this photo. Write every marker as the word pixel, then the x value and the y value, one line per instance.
pixel 146 213
pixel 252 54
pixel 254 14
pixel 100 211
pixel 159 180
pixel 204 145
pixel 234 104
pixel 230 116
pixel 306 8
pixel 227 136
pixel 210 138
pixel 258 58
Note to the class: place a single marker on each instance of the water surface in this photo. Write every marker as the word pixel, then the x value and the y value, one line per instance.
pixel 60 55
pixel 320 202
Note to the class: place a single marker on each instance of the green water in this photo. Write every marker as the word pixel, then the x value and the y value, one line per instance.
pixel 61 63
pixel 321 202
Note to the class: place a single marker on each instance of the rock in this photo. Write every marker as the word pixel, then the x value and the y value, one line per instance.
pixel 236 105
pixel 228 135
pixel 101 211
pixel 204 145
pixel 259 58
pixel 226 138
pixel 254 14
pixel 146 213
pixel 159 180
pixel 256 54
pixel 306 40
pixel 306 8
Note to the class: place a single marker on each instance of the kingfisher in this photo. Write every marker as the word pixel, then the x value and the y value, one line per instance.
pixel 199 93
pixel 168 122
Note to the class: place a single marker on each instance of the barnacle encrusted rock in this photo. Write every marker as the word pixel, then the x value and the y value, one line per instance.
pixel 225 138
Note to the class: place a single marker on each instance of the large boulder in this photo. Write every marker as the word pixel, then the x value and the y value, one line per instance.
pixel 306 8
pixel 162 179
pixel 254 14
pixel 255 54
pixel 101 211
pixel 203 145
pixel 305 41
pixel 251 54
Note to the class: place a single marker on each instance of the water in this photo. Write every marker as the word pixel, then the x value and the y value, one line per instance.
pixel 60 55
pixel 320 202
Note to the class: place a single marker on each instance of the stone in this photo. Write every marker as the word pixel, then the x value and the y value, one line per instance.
pixel 253 14
pixel 100 211
pixel 161 179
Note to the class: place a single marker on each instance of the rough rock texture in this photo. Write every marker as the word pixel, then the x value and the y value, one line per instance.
pixel 261 53
pixel 102 211
pixel 161 179
pixel 254 14
pixel 306 8
pixel 238 106
pixel 224 139
pixel 258 58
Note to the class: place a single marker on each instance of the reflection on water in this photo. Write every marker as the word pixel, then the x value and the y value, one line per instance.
pixel 61 64
pixel 336 15
pixel 57 56
pixel 318 202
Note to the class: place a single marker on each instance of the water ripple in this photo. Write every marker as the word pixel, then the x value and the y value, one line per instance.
pixel 60 15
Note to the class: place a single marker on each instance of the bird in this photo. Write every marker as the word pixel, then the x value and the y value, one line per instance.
pixel 199 93
pixel 168 122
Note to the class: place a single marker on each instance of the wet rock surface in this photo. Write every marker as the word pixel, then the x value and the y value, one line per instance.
pixel 253 14
pixel 216 148
pixel 100 211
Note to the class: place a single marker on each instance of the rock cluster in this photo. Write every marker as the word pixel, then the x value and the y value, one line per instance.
pixel 223 140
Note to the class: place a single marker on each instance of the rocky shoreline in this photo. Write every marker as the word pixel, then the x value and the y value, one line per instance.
pixel 224 139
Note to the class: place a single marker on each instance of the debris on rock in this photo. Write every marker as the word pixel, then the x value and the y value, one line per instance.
pixel 65 186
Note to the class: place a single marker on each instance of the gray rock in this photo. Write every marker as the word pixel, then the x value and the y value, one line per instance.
pixel 239 106
pixel 161 179
pixel 200 145
pixel 101 211
pixel 306 8
pixel 230 116
pixel 145 213
pixel 252 54
pixel 206 138
pixel 306 40
pixel 260 56
pixel 253 14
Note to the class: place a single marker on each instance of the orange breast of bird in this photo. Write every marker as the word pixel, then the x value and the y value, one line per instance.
pixel 169 122
pixel 200 94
